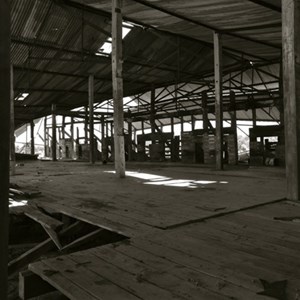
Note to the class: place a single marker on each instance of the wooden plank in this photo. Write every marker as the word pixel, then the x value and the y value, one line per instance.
pixel 45 220
pixel 60 281
pixel 263 240
pixel 39 250
pixel 117 78
pixel 241 261
pixel 198 263
pixel 218 99
pixel 54 237
pixel 165 263
pixel 116 223
pixel 79 273
pixel 291 88
pixel 84 239
pixel 267 256
pixel 161 272
pixel 31 285
pixel 20 262
pixel 5 86
pixel 130 282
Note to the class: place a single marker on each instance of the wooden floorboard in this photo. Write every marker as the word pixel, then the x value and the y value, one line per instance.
pixel 217 259
pixel 224 257
pixel 174 199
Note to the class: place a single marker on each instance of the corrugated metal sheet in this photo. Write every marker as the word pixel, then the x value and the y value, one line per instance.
pixel 52 42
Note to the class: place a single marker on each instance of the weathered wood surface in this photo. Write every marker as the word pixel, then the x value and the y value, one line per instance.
pixel 5 87
pixel 151 199
pixel 291 89
pixel 45 220
pixel 31 285
pixel 223 258
pixel 117 82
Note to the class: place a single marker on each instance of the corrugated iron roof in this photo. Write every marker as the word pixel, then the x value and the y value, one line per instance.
pixel 54 46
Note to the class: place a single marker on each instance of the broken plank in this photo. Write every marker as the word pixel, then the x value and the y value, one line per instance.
pixel 31 285
pixel 20 262
pixel 54 237
pixel 84 239
pixel 45 220
pixel 95 285
pixel 60 281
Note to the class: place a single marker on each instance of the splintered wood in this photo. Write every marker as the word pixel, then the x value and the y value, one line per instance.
pixel 228 257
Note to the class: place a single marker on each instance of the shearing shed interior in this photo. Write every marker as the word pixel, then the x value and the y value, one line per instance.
pixel 149 149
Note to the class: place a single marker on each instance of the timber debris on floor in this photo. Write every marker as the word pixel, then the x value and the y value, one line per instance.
pixel 37 234
pixel 228 257
pixel 179 244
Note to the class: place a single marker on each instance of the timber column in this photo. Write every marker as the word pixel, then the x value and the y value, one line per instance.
pixel 152 114
pixel 12 124
pixel 53 144
pixel 232 139
pixel 205 139
pixel 117 78
pixel 5 85
pixel 91 119
pixel 32 137
pixel 291 89
pixel 218 100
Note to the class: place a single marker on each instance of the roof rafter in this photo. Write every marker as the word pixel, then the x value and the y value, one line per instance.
pixel 267 5
pixel 182 17
pixel 100 12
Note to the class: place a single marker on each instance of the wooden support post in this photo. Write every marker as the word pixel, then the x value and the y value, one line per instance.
pixel 5 91
pixel 112 129
pixel 72 136
pixel 106 129
pixel 91 119
pixel 182 124
pixel 280 104
pixel 129 140
pixel 12 125
pixel 205 139
pixel 291 88
pixel 63 127
pixel 77 135
pixel 172 126
pixel 117 78
pixel 142 127
pixel 53 144
pixel 86 125
pixel 102 132
pixel 193 122
pixel 254 117
pixel 234 126
pixel 32 151
pixel 218 103
pixel 152 112
pixel 103 142
pixel 204 112
pixel 45 137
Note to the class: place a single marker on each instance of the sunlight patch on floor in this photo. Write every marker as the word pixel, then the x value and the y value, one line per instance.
pixel 153 179
pixel 13 203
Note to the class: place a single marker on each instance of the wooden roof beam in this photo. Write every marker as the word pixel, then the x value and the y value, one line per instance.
pixel 100 12
pixel 267 5
pixel 182 17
